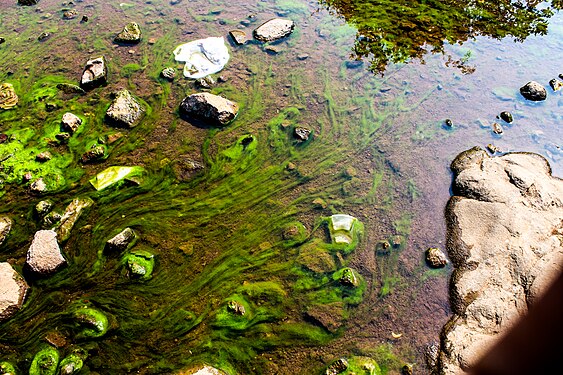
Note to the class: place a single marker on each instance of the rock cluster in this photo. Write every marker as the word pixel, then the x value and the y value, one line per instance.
pixel 505 240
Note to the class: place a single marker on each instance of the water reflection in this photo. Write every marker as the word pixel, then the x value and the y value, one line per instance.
pixel 398 31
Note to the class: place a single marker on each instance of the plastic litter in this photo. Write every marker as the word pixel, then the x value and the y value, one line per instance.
pixel 202 57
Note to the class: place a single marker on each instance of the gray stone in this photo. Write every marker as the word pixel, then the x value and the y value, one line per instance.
pixel 125 111
pixel 301 133
pixel 121 241
pixel 274 29
pixel 211 108
pixel 70 122
pixel 95 74
pixel 5 227
pixel 13 289
pixel 533 91
pixel 131 34
pixel 505 241
pixel 38 186
pixel 44 255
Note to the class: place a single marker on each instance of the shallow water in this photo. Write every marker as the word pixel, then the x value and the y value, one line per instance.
pixel 379 152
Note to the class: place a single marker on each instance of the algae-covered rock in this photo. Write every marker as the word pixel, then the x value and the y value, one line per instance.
pixel 45 362
pixel 121 241
pixel 70 122
pixel 315 257
pixel 125 111
pixel 139 264
pixel 208 107
pixel 345 230
pixel 13 289
pixel 95 73
pixel 69 88
pixel 44 255
pixel 130 34
pixel 71 215
pixel 294 232
pixel 236 307
pixel 274 29
pixel 91 322
pixel 6 368
pixel 113 175
pixel 348 277
pixel 329 315
pixel 355 365
pixel 72 364
pixel 8 97
pixel 5 227
pixel 96 153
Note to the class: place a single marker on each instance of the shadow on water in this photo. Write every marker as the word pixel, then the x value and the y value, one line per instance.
pixel 398 31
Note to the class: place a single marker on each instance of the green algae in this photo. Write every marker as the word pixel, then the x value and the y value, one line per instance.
pixel 89 322
pixel 71 364
pixel 45 362
pixel 357 365
pixel 7 368
pixel 139 264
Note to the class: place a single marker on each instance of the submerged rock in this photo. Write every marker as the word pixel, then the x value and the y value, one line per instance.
pixel 13 289
pixel 435 257
pixel 236 308
pixel 349 278
pixel 506 116
pixel 274 29
pixel 43 208
pixel 5 227
pixel 330 315
pixel 68 88
pixel 8 97
pixel 125 110
pixel 239 36
pixel 91 322
pixel 211 108
pixel 533 91
pixel 139 264
pixel 94 154
pixel 556 84
pixel 70 122
pixel 168 73
pixel 95 74
pixel 44 255
pixel 71 216
pixel 45 362
pixel 131 34
pixel 70 14
pixel 504 234
pixel 121 241
pixel 71 364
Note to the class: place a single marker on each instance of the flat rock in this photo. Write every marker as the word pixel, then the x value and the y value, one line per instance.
pixel 210 108
pixel 44 255
pixel 130 34
pixel 330 316
pixel 71 216
pixel 70 122
pixel 5 227
pixel 274 29
pixel 12 291
pixel 125 111
pixel 95 74
pixel 533 91
pixel 504 238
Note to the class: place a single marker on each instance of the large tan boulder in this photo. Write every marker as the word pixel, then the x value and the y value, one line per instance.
pixel 12 291
pixel 44 255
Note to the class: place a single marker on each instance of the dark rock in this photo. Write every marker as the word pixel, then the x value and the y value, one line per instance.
pixel 506 116
pixel 236 308
pixel 5 227
pixel 448 123
pixel 383 247
pixel 533 91
pixel 27 2
pixel 492 148
pixel 96 153
pixel 406 370
pixel 556 84
pixel 50 107
pixel 168 73
pixel 43 36
pixel 337 367
pixel 70 122
pixel 274 29
pixel 2 40
pixel 131 34
pixel 497 128
pixel 84 19
pixel 239 36
pixel 70 14
pixel 44 255
pixel 208 107
pixel 125 111
pixel 43 157
pixel 3 138
pixel 63 137
pixel 13 289
pixel 95 74
pixel 121 241
pixel 68 88
pixel 301 134
pixel 435 257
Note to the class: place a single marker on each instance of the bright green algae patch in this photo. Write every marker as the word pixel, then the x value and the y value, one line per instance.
pixel 90 322
pixel 45 362
pixel 6 368
pixel 139 264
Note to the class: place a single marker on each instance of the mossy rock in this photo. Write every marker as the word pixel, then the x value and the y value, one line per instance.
pixel 139 264
pixel 316 257
pixel 91 322
pixel 71 364
pixel 6 368
pixel 351 285
pixel 45 362
pixel 355 365
pixel 294 233
pixel 235 313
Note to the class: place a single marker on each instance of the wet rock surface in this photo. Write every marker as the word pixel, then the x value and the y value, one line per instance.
pixel 238 36
pixel 12 291
pixel 210 108
pixel 5 227
pixel 201 370
pixel 95 74
pixel 44 255
pixel 533 91
pixel 125 111
pixel 505 235
pixel 70 122
pixel 130 34
pixel 436 258
pixel 121 241
pixel 274 29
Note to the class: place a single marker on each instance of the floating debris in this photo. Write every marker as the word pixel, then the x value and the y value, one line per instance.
pixel 8 97
pixel 202 56
pixel 112 175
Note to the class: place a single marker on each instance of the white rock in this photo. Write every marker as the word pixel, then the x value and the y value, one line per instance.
pixel 44 255
pixel 12 291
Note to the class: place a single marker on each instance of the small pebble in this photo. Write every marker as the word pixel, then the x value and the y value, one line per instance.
pixel 497 128
pixel 556 84
pixel 449 123
pixel 84 19
pixel 302 56
pixel 492 148
pixel 131 51
pixel 506 116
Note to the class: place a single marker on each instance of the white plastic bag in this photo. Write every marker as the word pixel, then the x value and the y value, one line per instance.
pixel 202 57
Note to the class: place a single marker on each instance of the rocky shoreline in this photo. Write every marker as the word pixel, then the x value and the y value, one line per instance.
pixel 505 241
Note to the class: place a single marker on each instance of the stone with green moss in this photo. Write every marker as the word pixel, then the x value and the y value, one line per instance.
pixel 72 364
pixel 355 365
pixel 139 264
pixel 91 322
pixel 6 368
pixel 348 278
pixel 294 232
pixel 45 362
